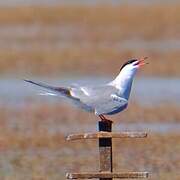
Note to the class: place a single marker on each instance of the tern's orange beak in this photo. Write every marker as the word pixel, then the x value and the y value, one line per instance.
pixel 142 61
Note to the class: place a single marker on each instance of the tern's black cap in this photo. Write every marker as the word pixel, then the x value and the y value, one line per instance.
pixel 128 62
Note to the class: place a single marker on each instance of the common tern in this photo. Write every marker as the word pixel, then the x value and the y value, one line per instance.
pixel 105 99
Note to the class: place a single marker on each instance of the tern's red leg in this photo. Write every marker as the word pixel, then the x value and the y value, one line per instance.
pixel 103 118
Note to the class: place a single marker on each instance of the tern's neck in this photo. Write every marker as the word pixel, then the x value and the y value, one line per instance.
pixel 123 81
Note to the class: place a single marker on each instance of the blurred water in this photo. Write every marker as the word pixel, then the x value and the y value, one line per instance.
pixel 145 90
pixel 87 2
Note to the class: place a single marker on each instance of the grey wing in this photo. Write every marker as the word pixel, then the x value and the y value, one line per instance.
pixel 82 97
pixel 92 91
pixel 111 105
pixel 74 93
pixel 100 99
pixel 88 97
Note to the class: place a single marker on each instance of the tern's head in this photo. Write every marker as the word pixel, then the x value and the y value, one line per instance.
pixel 125 78
pixel 129 69
pixel 133 64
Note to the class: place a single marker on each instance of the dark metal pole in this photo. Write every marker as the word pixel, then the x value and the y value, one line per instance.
pixel 105 149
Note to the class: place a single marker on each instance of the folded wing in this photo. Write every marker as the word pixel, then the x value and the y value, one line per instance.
pixel 112 105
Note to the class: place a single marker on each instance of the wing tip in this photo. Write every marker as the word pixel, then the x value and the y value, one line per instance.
pixel 29 81
pixel 26 80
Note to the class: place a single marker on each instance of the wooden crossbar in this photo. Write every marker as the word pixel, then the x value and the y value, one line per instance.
pixel 107 175
pixel 106 135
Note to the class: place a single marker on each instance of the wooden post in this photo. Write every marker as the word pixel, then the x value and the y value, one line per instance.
pixel 105 149
pixel 105 136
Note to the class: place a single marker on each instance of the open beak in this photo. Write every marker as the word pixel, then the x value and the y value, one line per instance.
pixel 142 62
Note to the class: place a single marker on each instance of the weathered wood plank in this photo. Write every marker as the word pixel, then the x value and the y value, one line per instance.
pixel 107 175
pixel 106 135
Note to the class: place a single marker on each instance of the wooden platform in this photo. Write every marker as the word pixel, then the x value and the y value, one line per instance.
pixel 106 135
pixel 107 175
